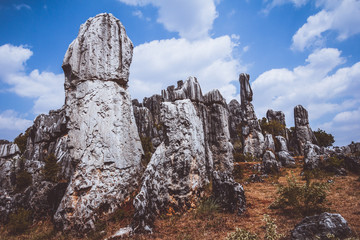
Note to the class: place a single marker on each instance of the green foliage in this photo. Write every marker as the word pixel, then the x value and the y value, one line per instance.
pixel 148 150
pixel 23 178
pixel 305 199
pixel 19 221
pixel 271 229
pixel 324 139
pixel 240 157
pixel 207 208
pixel 334 162
pixel 273 127
pixel 241 234
pixel 51 168
pixel 21 140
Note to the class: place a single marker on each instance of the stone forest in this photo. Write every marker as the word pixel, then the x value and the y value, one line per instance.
pixel 173 161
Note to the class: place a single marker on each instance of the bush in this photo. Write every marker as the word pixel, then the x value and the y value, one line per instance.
pixel 241 234
pixel 19 221
pixel 306 199
pixel 324 139
pixel 273 127
pixel 51 168
pixel 21 140
pixel 247 157
pixel 271 229
pixel 207 208
pixel 23 178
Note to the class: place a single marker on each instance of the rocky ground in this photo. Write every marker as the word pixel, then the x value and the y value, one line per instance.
pixel 207 224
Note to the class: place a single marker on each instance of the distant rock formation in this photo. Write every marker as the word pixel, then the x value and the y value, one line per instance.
pixel 103 140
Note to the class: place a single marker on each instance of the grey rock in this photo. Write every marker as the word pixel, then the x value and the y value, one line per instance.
pixel 8 150
pixel 235 124
pixel 281 144
pixel 319 226
pixel 190 89
pixel 9 153
pixel 269 143
pixel 278 116
pixel 102 50
pixel 303 132
pixel 177 172
pixel 269 162
pixel 285 158
pixel 312 156
pixel 252 137
pixel 103 139
pixel 229 193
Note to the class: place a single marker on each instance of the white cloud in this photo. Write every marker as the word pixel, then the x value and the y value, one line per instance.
pixel 21 6
pixel 158 64
pixel 316 86
pixel 340 16
pixel 275 3
pixel 45 88
pixel 10 120
pixel 192 19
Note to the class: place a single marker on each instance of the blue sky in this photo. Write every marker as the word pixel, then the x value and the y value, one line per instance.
pixel 296 52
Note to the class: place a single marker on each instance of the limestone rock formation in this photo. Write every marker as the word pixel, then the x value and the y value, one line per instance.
pixel 176 174
pixel 312 156
pixel 188 90
pixel 270 163
pixel 319 226
pixel 103 140
pixel 279 116
pixel 303 132
pixel 235 121
pixel 9 153
pixel 253 139
pixel 269 143
pixel 282 152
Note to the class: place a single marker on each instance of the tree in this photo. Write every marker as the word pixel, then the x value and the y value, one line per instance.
pixel 21 140
pixel 324 139
pixel 273 127
pixel 51 168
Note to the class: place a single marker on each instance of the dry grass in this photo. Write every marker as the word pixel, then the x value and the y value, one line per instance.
pixel 344 198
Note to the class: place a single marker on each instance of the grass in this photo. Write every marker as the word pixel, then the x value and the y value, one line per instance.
pixel 258 195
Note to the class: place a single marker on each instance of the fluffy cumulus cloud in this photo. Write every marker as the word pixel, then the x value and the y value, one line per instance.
pixel 326 89
pixel 340 16
pixel 158 64
pixel 10 120
pixel 192 19
pixel 44 88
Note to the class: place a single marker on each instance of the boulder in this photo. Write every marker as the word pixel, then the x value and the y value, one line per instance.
pixel 320 226
pixel 103 139
pixel 280 144
pixel 285 158
pixel 269 143
pixel 270 163
pixel 312 156
pixel 278 116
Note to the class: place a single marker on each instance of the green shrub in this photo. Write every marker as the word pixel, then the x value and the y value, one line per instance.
pixel 334 162
pixel 241 234
pixel 324 139
pixel 19 222
pixel 271 229
pixel 21 140
pixel 273 127
pixel 207 208
pixel 51 168
pixel 305 199
pixel 148 150
pixel 23 178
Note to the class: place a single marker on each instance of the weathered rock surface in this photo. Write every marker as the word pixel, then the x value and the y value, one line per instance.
pixel 280 144
pixel 235 124
pixel 303 132
pixel 270 163
pixel 102 50
pixel 269 143
pixel 9 153
pixel 103 140
pixel 188 90
pixel 252 137
pixel 319 226
pixel 176 174
pixel 312 156
pixel 8 150
pixel 229 193
pixel 279 116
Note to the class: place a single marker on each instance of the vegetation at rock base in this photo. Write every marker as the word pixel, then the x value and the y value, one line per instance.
pixel 305 199
pixel 23 177
pixel 51 168
pixel 19 222
pixel 273 127
pixel 21 140
pixel 148 150
pixel 241 157
pixel 324 139
pixel 271 229
pixel 207 208
pixel 241 234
